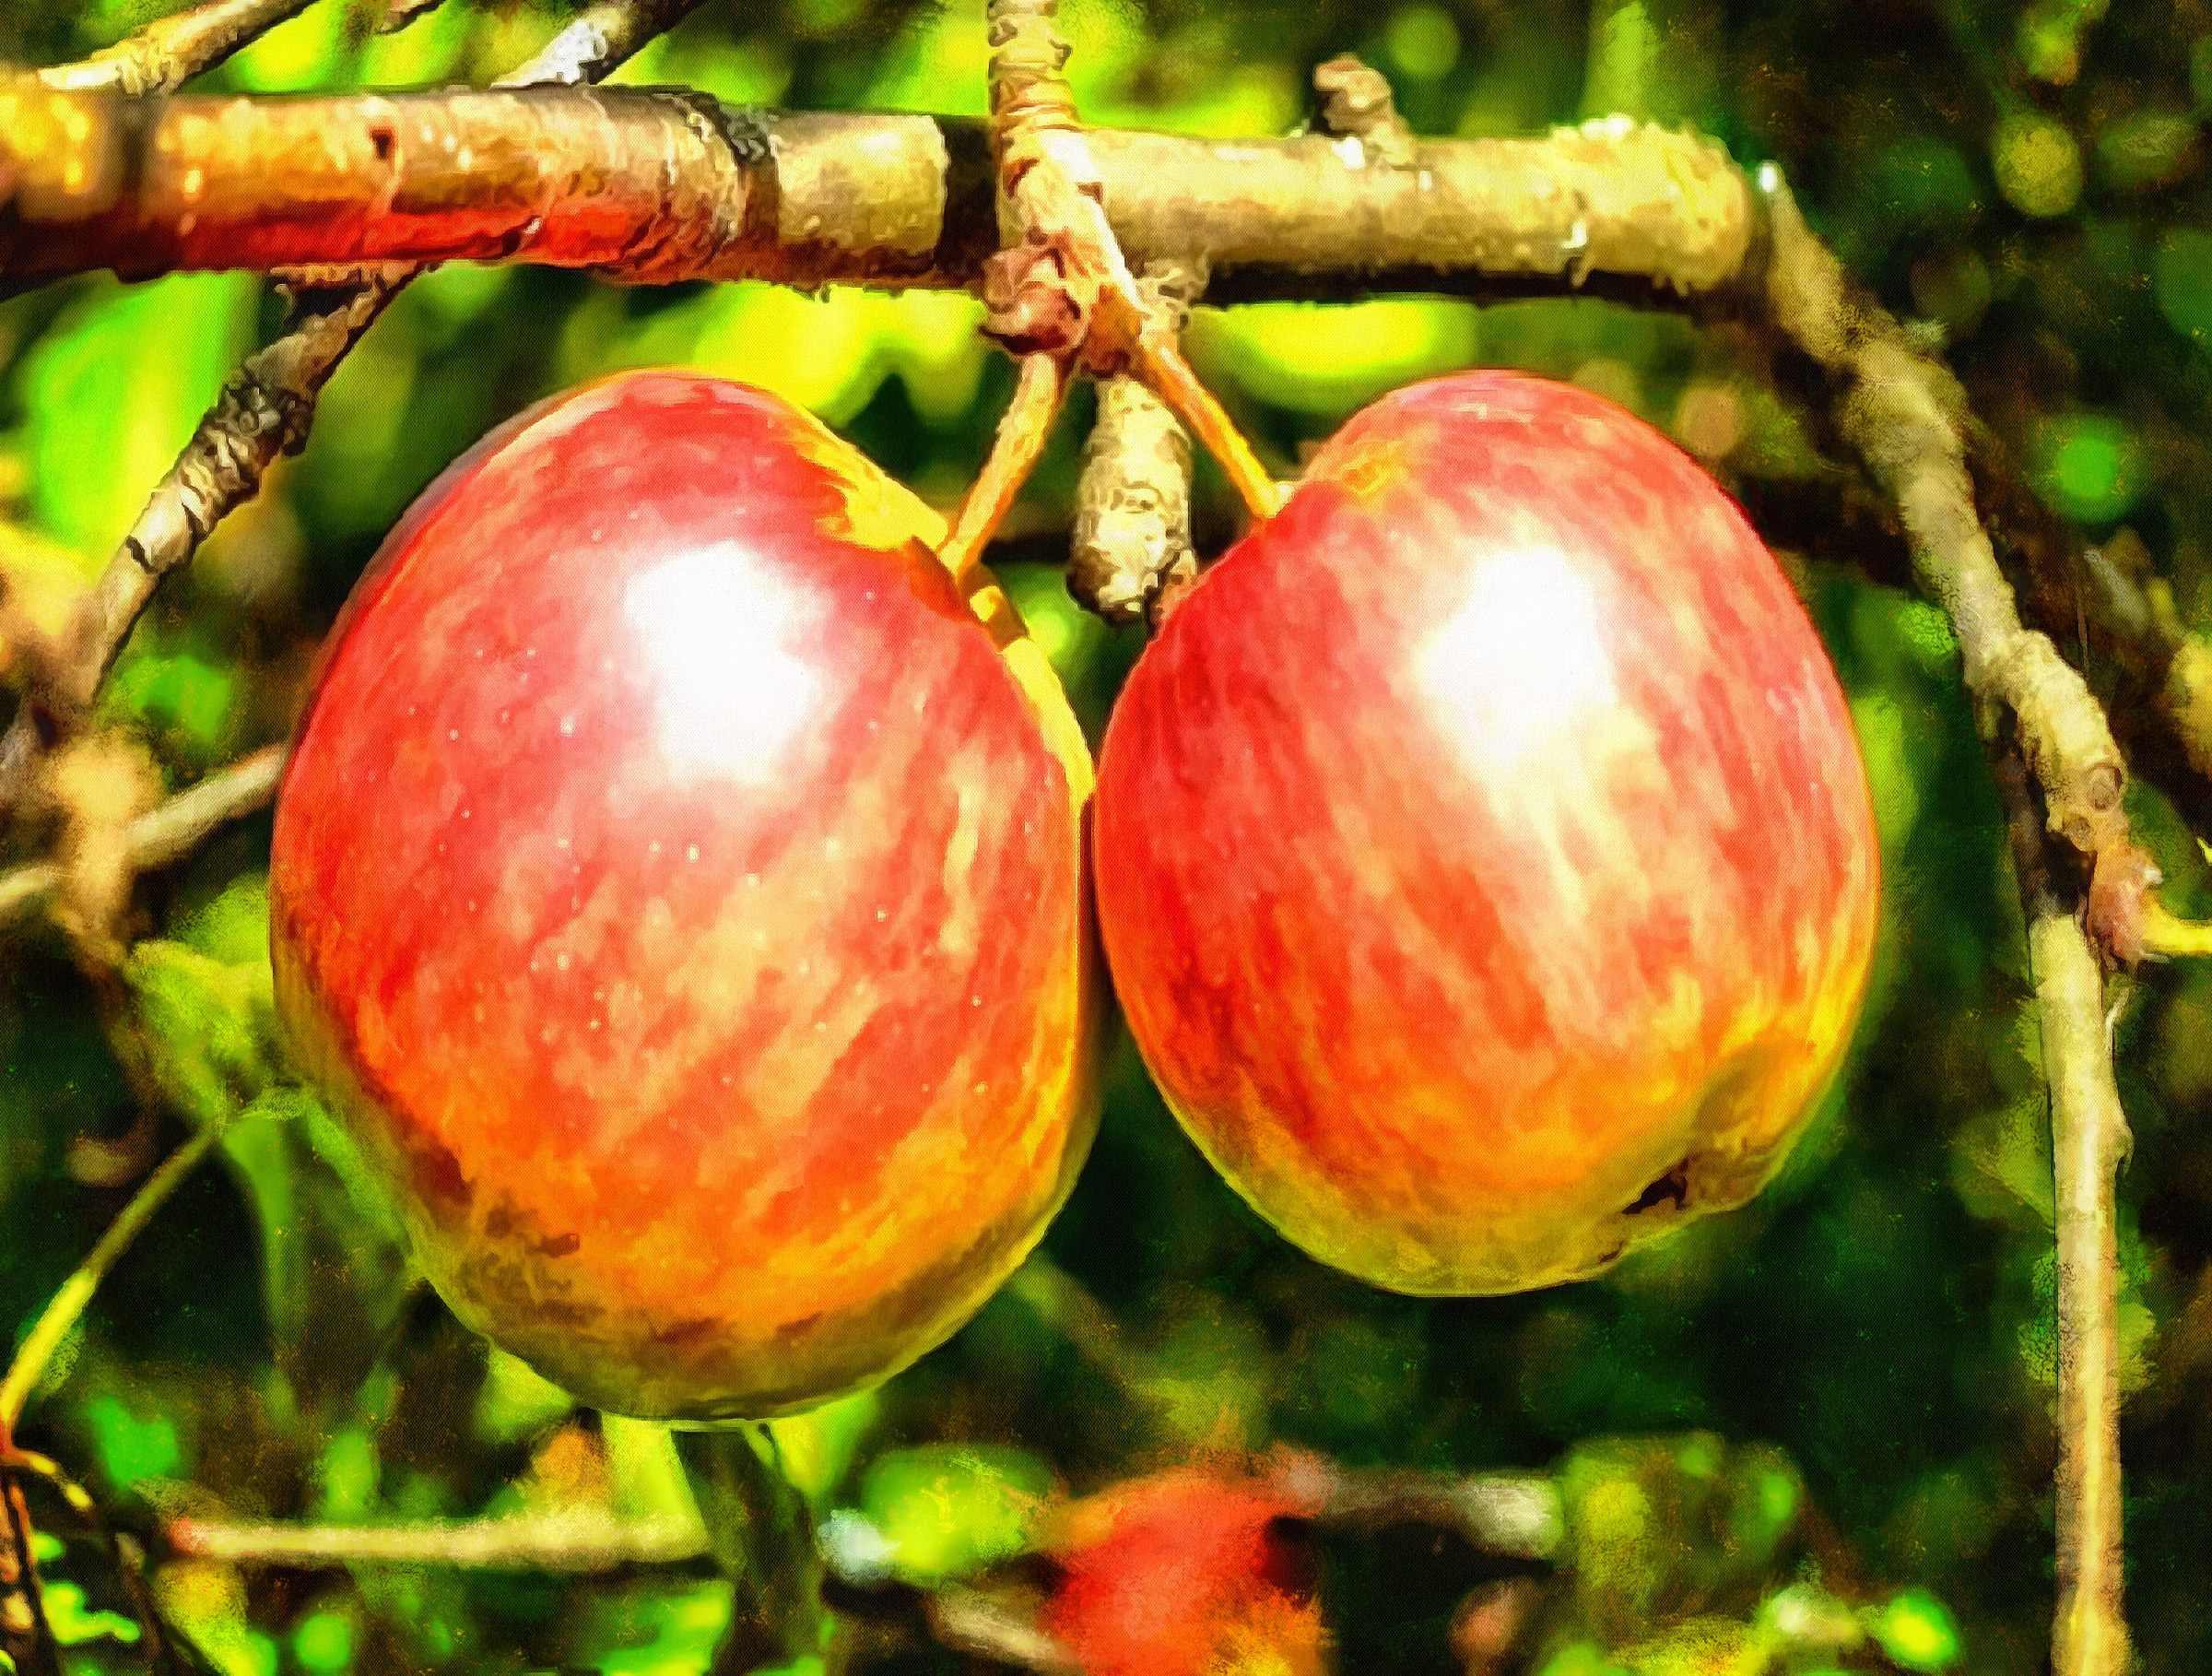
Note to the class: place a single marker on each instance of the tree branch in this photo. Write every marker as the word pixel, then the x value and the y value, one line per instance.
pixel 1904 414
pixel 645 184
pixel 642 183
pixel 265 408
pixel 1132 538
pixel 170 50
pixel 2090 1140
pixel 2062 776
pixel 161 835
pixel 580 1539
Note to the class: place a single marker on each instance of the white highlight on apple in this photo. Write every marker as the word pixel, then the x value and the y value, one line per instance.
pixel 731 690
pixel 1520 668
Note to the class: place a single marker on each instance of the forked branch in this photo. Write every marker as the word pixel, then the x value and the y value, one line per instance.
pixel 264 409
pixel 170 50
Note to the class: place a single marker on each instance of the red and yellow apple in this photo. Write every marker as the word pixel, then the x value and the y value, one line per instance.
pixel 1484 855
pixel 677 885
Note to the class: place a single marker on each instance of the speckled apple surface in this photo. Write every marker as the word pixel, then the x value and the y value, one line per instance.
pixel 677 884
pixel 1484 855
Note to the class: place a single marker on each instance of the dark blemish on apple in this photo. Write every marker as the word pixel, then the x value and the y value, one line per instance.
pixel 1672 1188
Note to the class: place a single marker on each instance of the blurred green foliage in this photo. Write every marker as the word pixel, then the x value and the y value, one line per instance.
pixel 1811 1437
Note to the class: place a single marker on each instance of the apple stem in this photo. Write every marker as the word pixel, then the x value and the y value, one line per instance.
pixel 1060 285
pixel 1040 386
pixel 1158 360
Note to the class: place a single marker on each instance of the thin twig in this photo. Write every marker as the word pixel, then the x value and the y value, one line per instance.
pixel 26 1640
pixel 264 411
pixel 579 1538
pixel 170 50
pixel 967 1621
pixel 1519 1515
pixel 161 835
pixel 1505 1513
pixel 161 1646
pixel 66 1308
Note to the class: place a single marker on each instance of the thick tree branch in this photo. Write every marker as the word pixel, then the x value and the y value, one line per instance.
pixel 170 50
pixel 645 183
pixel 649 184
pixel 161 835
pixel 265 408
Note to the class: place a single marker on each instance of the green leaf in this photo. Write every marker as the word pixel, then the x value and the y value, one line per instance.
pixel 817 1448
pixel 661 1633
pixel 1328 359
pixel 2180 276
pixel 516 1400
pixel 323 1642
pixel 2037 164
pixel 191 704
pixel 1666 1527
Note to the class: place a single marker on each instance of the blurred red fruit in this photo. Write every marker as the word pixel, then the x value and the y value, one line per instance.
pixel 1188 1572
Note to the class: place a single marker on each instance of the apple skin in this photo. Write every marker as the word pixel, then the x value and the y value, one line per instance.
pixel 1484 856
pixel 678 886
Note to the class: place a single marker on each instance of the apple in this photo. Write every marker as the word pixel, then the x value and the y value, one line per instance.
pixel 1484 856
pixel 678 887
pixel 1188 1572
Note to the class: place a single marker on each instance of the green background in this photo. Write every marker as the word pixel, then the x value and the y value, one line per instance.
pixel 1843 1390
